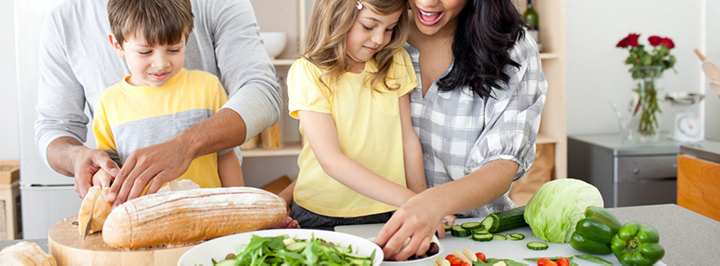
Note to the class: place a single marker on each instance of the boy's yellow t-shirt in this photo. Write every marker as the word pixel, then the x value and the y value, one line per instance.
pixel 130 117
pixel 368 127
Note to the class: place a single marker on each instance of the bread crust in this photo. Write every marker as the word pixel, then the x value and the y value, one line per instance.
pixel 86 208
pixel 26 253
pixel 189 216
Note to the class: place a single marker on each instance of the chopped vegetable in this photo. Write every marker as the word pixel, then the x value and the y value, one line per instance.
pixel 472 226
pixel 515 236
pixel 499 237
pixel 483 237
pixel 470 255
pixel 458 231
pixel 555 208
pixel 504 220
pixel 537 245
pixel 636 243
pixel 563 262
pixel 274 251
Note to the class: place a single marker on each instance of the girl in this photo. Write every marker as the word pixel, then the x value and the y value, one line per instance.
pixel 349 90
pixel 477 112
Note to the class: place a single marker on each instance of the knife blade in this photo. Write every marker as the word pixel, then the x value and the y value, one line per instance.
pixel 89 221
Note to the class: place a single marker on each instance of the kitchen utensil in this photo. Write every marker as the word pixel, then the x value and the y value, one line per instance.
pixel 501 249
pixel 710 68
pixel 715 86
pixel 66 245
pixel 89 221
pixel 222 246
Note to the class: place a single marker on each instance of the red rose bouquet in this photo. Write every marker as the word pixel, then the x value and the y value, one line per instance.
pixel 645 68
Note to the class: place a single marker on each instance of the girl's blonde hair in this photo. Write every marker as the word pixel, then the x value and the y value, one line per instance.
pixel 330 23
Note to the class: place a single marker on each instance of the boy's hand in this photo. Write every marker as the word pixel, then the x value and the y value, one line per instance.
pixel 102 178
pixel 89 162
pixel 162 163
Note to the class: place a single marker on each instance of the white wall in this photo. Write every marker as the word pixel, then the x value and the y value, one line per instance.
pixel 596 72
pixel 712 52
pixel 8 94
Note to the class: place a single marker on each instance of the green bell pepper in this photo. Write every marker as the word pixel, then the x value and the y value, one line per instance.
pixel 637 244
pixel 594 233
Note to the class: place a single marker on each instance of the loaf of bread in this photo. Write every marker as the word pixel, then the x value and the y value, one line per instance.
pixel 26 253
pixel 95 203
pixel 182 217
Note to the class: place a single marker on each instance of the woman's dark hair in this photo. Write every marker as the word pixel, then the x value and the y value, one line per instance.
pixel 487 30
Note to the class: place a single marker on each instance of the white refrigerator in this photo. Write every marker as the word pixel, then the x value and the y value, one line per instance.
pixel 46 196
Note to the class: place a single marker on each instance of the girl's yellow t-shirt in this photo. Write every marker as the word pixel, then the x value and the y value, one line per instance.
pixel 368 127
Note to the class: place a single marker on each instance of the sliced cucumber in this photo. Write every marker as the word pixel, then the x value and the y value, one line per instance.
pixel 515 236
pixel 458 231
pixel 499 237
pixel 228 263
pixel 448 228
pixel 472 226
pixel 482 237
pixel 537 245
pixel 505 220
pixel 297 246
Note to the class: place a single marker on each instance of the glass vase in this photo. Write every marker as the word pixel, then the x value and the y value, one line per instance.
pixel 648 83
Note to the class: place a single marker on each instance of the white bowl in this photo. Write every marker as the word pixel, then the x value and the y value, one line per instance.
pixel 220 247
pixel 274 42
pixel 427 261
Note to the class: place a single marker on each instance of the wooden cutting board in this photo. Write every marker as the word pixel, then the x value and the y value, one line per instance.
pixel 67 247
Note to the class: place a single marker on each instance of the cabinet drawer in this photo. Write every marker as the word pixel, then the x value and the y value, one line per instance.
pixel 631 169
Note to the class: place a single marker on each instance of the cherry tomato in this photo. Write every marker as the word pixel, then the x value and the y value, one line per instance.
pixel 450 257
pixel 546 262
pixel 480 256
pixel 563 262
pixel 465 264
pixel 456 262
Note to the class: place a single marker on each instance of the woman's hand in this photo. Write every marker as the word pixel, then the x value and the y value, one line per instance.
pixel 414 221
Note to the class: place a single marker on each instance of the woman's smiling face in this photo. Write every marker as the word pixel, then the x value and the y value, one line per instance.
pixel 432 16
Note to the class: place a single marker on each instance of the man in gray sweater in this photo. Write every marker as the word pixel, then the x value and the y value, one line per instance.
pixel 77 63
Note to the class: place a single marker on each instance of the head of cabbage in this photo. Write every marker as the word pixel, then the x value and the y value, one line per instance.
pixel 554 210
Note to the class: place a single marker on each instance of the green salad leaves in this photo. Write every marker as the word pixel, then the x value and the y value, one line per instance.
pixel 283 250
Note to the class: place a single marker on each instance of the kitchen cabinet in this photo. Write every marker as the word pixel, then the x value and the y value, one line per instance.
pixel 626 175
pixel 698 182
pixel 292 16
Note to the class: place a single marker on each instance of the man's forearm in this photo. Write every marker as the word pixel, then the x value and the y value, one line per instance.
pixel 61 154
pixel 224 130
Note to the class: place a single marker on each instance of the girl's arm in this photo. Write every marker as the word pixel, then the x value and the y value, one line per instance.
pixel 319 129
pixel 412 152
pixel 229 170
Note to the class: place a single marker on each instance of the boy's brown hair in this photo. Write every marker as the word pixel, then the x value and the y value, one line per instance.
pixel 161 22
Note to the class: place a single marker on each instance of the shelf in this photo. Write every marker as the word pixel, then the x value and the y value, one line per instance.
pixel 545 139
pixel 290 149
pixel 549 56
pixel 283 62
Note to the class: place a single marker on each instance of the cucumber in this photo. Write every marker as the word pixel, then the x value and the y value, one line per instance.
pixel 537 245
pixel 515 236
pixel 482 237
pixel 499 237
pixel 297 246
pixel 472 226
pixel 505 220
pixel 458 231
pixel 448 228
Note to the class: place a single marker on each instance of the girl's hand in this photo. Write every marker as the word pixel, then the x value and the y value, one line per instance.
pixel 414 221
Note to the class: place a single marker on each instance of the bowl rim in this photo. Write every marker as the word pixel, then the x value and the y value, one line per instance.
pixel 345 239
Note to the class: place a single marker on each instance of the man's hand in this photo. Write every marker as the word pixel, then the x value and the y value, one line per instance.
pixel 159 163
pixel 86 164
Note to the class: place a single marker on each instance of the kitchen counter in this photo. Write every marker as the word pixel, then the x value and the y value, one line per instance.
pixel 689 238
pixel 706 150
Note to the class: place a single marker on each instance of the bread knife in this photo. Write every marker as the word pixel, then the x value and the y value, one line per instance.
pixel 89 222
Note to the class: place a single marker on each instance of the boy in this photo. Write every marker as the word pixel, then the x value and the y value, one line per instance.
pixel 160 98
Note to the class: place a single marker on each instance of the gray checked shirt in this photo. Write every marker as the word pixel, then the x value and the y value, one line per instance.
pixel 460 132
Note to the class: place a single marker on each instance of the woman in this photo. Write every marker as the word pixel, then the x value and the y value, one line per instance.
pixel 476 111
